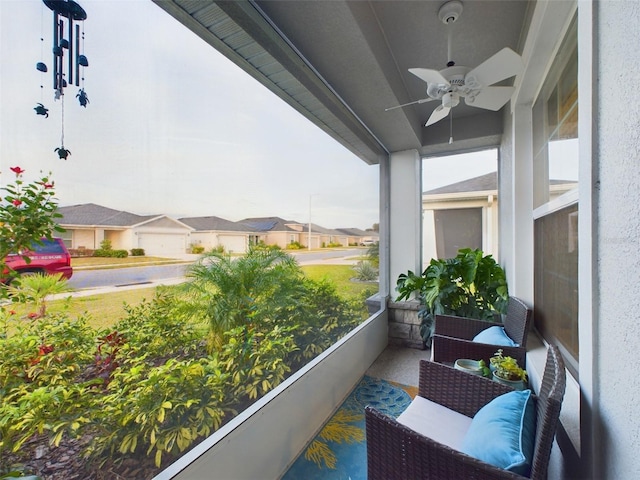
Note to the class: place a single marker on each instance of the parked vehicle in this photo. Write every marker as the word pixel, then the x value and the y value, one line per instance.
pixel 51 258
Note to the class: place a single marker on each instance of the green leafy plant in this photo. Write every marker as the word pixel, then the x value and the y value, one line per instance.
pixel 469 285
pixel 161 410
pixel 137 252
pixel 507 367
pixel 36 288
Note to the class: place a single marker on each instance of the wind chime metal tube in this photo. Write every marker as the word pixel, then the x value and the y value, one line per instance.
pixel 60 51
pixel 56 41
pixel 77 55
pixel 70 48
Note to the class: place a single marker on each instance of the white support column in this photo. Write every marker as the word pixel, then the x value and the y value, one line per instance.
pixel 520 221
pixel 405 206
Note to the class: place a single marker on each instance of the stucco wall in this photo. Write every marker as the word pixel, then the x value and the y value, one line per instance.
pixel 617 205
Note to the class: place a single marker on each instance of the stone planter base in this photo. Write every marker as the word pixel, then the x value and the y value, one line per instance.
pixel 404 324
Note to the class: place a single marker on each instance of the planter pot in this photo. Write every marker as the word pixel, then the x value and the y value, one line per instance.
pixel 467 365
pixel 516 384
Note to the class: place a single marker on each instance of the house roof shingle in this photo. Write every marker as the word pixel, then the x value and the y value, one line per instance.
pixel 483 183
pixel 92 214
pixel 203 224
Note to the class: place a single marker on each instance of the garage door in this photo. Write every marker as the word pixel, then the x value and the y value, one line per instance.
pixel 163 244
pixel 233 243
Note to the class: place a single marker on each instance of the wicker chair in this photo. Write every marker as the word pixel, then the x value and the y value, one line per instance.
pixel 395 451
pixel 453 335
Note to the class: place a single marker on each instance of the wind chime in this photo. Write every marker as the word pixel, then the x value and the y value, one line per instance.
pixel 65 13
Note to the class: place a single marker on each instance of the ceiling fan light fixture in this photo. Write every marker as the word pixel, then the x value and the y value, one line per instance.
pixel 450 99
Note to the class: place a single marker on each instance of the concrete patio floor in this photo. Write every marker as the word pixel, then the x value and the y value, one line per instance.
pixel 399 364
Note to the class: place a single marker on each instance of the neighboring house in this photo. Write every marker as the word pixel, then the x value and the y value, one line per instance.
pixel 212 232
pixel 465 215
pixel 280 232
pixel 355 236
pixel 87 225
pixel 329 236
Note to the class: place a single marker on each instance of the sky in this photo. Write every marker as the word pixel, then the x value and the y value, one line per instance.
pixel 173 127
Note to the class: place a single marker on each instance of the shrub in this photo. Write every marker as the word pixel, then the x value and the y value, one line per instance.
pixel 137 252
pixel 373 254
pixel 197 249
pixel 110 253
pixel 334 245
pixel 41 381
pixel 28 212
pixel 365 271
pixel 161 410
pixel 295 246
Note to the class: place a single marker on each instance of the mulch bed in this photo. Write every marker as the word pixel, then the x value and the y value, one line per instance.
pixel 65 462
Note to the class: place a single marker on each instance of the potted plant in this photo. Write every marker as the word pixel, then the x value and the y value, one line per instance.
pixel 469 285
pixel 507 371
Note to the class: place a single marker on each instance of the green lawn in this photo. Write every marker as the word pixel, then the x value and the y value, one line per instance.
pixel 104 309
pixel 341 276
pixel 107 308
pixel 108 262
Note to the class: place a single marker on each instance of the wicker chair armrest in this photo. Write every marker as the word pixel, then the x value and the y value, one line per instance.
pixel 457 390
pixel 460 327
pixel 397 452
pixel 447 350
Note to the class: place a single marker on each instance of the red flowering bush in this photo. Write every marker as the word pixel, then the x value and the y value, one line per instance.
pixel 28 212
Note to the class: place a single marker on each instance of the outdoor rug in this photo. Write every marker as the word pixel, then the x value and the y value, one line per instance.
pixel 339 451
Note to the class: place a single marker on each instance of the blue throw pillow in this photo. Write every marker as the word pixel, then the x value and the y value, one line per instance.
pixel 495 336
pixel 502 433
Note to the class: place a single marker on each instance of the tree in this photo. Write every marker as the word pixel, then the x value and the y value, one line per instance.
pixel 248 291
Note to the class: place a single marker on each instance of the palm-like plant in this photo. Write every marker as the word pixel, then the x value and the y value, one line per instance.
pixel 253 290
pixel 35 288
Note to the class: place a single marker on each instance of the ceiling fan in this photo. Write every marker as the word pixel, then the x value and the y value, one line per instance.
pixel 456 81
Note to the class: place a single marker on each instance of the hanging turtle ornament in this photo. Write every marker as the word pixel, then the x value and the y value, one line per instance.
pixel 41 110
pixel 83 98
pixel 63 153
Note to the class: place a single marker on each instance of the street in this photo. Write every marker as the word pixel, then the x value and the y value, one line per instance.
pixel 117 277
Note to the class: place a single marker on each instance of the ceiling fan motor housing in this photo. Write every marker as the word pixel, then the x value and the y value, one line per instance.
pixel 450 12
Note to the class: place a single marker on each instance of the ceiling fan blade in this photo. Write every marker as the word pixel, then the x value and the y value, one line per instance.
pixel 491 98
pixel 422 100
pixel 438 114
pixel 429 76
pixel 504 64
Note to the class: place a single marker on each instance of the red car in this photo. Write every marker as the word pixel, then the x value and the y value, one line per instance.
pixel 52 257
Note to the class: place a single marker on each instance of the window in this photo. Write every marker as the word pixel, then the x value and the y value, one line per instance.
pixel 48 246
pixel 556 281
pixel 555 116
pixel 67 238
pixel 555 140
pixel 456 229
